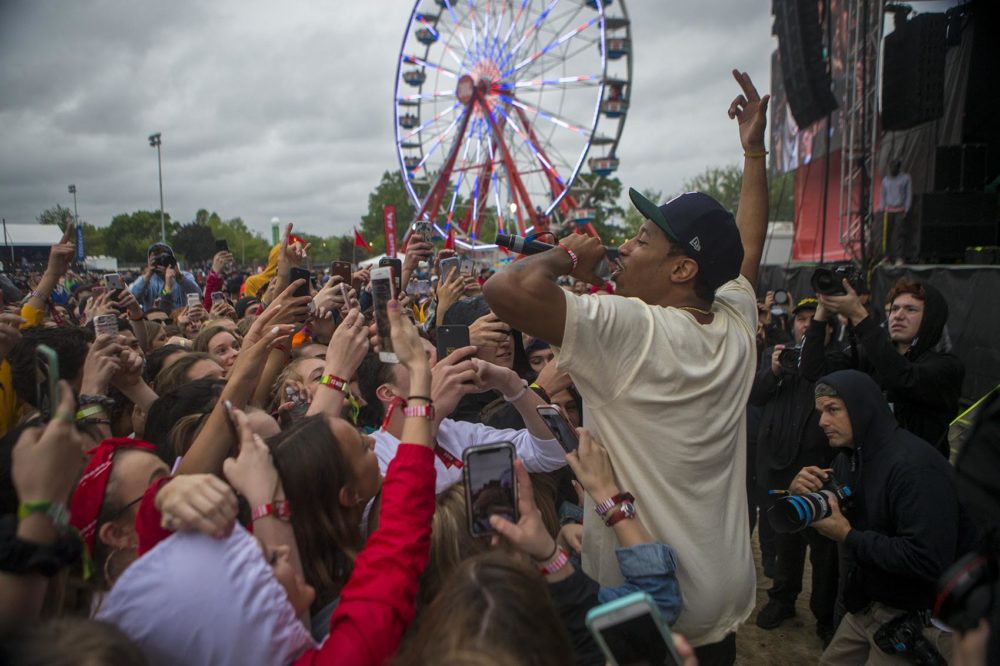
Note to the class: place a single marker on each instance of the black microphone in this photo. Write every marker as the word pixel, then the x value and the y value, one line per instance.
pixel 522 245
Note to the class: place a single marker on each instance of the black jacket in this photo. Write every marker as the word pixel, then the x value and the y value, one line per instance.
pixel 908 526
pixel 789 437
pixel 923 385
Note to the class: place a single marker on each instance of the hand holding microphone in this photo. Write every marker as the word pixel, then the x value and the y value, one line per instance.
pixel 591 265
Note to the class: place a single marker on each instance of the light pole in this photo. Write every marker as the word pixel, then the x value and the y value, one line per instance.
pixel 154 142
pixel 76 217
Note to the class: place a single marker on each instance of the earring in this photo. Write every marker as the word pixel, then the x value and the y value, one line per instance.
pixel 107 566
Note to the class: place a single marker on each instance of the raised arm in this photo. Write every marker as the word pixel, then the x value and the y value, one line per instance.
pixel 750 109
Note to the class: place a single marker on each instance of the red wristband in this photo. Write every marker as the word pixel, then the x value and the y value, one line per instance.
pixel 572 255
pixel 334 382
pixel 279 509
pixel 562 559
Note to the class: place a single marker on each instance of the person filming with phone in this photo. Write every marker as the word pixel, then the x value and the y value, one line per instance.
pixel 664 367
pixel 902 525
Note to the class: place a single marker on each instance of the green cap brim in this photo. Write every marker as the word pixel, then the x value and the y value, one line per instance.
pixel 651 212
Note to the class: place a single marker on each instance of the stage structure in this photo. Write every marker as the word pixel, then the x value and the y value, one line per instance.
pixel 500 106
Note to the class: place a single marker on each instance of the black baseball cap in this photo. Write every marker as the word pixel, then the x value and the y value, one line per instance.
pixel 703 229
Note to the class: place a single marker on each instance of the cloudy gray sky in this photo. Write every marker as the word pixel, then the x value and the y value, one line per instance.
pixel 285 108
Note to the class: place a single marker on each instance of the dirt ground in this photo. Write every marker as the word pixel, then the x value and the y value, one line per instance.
pixel 793 643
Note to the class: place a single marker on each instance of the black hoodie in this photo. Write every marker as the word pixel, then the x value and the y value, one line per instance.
pixel 923 385
pixel 907 524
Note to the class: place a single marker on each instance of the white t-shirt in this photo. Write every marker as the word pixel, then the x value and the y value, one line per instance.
pixel 537 455
pixel 667 396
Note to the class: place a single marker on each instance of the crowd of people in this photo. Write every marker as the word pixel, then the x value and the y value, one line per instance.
pixel 228 469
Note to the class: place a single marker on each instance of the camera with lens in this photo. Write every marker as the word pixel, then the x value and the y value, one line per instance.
pixel 904 637
pixel 164 260
pixel 830 281
pixel 797 512
pixel 788 360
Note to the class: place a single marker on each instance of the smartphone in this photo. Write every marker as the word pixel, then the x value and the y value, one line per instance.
pixel 420 288
pixel 114 281
pixel 468 266
pixel 301 274
pixel 448 265
pixel 106 324
pixel 217 297
pixel 562 429
pixel 46 379
pixel 450 338
pixel 631 632
pixel 343 269
pixel 193 299
pixel 397 271
pixel 383 291
pixel 490 487
pixel 221 245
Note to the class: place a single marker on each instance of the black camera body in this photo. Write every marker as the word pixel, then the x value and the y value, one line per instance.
pixel 797 512
pixel 830 281
pixel 904 636
pixel 788 360
pixel 164 259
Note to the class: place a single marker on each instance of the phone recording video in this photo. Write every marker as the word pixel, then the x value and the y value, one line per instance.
pixel 450 338
pixel 490 487
pixel 555 418
pixel 301 274
pixel 47 379
pixel 448 265
pixel 383 291
pixel 631 632
pixel 397 271
pixel 342 269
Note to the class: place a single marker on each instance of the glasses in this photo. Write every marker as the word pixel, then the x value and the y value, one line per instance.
pixel 122 511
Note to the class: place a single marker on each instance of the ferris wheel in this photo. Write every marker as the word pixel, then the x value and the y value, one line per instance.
pixel 501 105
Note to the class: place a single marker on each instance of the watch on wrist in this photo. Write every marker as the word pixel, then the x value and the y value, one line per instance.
pixel 626 511
pixel 608 504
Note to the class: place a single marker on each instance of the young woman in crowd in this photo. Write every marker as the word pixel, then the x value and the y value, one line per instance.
pixel 220 342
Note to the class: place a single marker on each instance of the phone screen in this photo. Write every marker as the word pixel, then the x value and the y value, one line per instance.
pixel 106 324
pixel 382 293
pixel 218 296
pixel 448 265
pixel 561 428
pixel 638 641
pixel 397 271
pixel 46 379
pixel 450 338
pixel 114 281
pixel 489 486
pixel 467 266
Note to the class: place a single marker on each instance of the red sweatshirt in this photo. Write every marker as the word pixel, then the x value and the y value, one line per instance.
pixel 213 283
pixel 379 600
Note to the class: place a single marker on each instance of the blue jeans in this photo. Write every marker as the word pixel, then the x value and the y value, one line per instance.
pixel 649 568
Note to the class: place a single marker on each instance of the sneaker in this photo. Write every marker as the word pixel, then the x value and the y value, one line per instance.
pixel 773 614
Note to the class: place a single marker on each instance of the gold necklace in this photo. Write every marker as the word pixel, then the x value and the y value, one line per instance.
pixel 694 309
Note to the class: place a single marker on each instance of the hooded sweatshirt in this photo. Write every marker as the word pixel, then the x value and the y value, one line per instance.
pixel 907 524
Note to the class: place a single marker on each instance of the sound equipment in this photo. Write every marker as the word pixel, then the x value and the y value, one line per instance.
pixel 913 72
pixel 958 168
pixel 800 48
pixel 954 221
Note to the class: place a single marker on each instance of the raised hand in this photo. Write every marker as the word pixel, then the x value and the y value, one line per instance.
pixel 406 343
pixel 10 332
pixel 750 110
pixel 488 331
pixel 252 472
pixel 449 291
pixel 221 260
pixel 528 534
pixel 348 345
pixel 452 378
pixel 61 254
pixel 592 467
pixel 46 463
pixel 197 502
pixel 100 365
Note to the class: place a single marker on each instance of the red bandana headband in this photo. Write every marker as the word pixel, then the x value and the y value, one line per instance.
pixel 88 497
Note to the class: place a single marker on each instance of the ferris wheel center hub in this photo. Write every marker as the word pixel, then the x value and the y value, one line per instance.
pixel 465 89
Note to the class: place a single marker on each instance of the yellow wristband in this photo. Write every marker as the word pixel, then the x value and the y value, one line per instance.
pixel 754 153
pixel 89 411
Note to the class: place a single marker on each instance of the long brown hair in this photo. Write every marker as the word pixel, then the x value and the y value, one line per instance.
pixel 451 542
pixel 492 610
pixel 313 470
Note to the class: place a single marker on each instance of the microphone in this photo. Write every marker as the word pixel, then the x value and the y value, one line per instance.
pixel 522 245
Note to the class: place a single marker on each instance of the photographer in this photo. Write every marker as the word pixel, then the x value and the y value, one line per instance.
pixel 922 383
pixel 904 525
pixel 789 439
pixel 163 281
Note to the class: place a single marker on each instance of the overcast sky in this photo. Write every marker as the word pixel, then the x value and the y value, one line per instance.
pixel 285 109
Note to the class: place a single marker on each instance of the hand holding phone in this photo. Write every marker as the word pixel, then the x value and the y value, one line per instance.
pixel 301 274
pixel 555 418
pixel 341 269
pixel 383 291
pixel 448 265
pixel 631 632
pixel 47 379
pixel 450 338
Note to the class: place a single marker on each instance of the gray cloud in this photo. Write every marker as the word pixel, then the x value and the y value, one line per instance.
pixel 271 109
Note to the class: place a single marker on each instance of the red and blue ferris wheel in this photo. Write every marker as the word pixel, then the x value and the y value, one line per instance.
pixel 500 106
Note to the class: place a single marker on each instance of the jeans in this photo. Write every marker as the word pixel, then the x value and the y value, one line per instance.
pixel 649 568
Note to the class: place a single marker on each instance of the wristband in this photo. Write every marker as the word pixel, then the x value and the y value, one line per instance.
pixel 608 504
pixel 542 393
pixel 279 509
pixel 625 511
pixel 754 153
pixel 56 511
pixel 425 411
pixel 94 399
pixel 165 292
pixel 89 411
pixel 562 559
pixel 572 255
pixel 334 382
pixel 419 397
pixel 555 548
pixel 520 394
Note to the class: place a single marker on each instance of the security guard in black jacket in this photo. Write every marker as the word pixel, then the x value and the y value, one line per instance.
pixel 789 438
pixel 904 525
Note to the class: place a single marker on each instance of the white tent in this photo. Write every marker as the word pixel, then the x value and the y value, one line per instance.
pixel 32 235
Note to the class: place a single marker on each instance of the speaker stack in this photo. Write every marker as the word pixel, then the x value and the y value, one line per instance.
pixel 913 72
pixel 800 47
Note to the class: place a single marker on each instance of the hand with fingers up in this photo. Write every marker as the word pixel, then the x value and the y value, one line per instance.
pixel 750 110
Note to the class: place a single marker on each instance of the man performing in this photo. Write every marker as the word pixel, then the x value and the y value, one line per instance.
pixel 665 368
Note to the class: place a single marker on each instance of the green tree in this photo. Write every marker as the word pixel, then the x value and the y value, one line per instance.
pixel 390 190
pixel 130 234
pixel 602 194
pixel 58 215
pixel 633 219
pixel 93 237
pixel 194 242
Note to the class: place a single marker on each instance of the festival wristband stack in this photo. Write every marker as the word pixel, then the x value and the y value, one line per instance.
pixel 560 560
pixel 280 509
pixel 572 256
pixel 334 382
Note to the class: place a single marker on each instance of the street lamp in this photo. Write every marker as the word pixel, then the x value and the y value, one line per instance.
pixel 154 142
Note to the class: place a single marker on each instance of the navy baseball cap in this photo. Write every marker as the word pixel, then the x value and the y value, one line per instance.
pixel 703 229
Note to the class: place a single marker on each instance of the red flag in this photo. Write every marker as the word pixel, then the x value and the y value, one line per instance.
pixel 449 242
pixel 359 241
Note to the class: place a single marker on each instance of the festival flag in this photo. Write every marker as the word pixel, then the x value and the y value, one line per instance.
pixel 389 225
pixel 359 241
pixel 449 242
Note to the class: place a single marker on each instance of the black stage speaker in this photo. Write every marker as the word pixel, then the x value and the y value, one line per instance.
pixel 913 73
pixel 954 221
pixel 958 168
pixel 800 46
